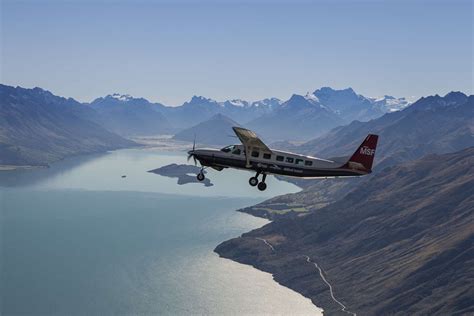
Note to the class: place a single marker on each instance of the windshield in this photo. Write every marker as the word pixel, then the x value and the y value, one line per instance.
pixel 227 148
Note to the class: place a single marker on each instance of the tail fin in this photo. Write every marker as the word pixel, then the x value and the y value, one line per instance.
pixel 363 157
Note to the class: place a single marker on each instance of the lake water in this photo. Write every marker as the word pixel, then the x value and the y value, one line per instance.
pixel 77 239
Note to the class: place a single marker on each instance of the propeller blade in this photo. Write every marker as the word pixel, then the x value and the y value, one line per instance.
pixel 194 142
pixel 195 162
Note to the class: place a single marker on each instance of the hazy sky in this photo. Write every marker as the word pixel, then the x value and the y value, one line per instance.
pixel 167 51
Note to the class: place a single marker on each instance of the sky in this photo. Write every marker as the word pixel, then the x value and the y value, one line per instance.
pixel 168 51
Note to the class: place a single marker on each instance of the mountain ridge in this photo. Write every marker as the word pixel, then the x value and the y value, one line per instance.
pixel 402 241
pixel 37 128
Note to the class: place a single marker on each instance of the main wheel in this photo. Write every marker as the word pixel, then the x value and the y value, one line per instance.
pixel 262 186
pixel 200 176
pixel 253 181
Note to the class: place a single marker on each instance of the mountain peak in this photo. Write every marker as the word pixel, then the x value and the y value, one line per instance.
pixel 329 90
pixel 199 98
pixel 120 97
pixel 455 97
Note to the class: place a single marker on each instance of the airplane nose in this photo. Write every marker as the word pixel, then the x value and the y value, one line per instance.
pixel 190 152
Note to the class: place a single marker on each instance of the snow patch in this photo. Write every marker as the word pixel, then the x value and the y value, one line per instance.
pixel 122 97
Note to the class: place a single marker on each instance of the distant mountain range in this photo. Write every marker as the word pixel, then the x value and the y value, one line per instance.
pixel 401 243
pixel 37 127
pixel 299 118
pixel 315 113
pixel 200 109
pixel 432 124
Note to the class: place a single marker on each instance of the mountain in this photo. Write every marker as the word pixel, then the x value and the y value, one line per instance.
pixel 299 118
pixel 319 111
pixel 199 109
pixel 433 124
pixel 37 128
pixel 130 116
pixel 303 117
pixel 349 105
pixel 401 243
pixel 214 131
pixel 388 103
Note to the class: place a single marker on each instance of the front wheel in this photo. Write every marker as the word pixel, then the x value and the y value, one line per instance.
pixel 253 181
pixel 200 176
pixel 262 186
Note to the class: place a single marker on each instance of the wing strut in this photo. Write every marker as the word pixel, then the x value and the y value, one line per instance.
pixel 250 141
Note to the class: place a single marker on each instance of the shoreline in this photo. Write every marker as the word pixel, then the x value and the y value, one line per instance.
pixel 256 252
pixel 260 251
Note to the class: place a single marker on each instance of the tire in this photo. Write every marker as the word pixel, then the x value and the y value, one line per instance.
pixel 262 186
pixel 253 181
pixel 200 176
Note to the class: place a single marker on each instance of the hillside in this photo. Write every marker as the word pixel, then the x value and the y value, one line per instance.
pixel 215 131
pixel 37 128
pixel 401 243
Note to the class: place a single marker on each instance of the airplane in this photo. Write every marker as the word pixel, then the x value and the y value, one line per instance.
pixel 254 155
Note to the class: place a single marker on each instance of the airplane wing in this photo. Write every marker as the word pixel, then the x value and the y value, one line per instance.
pixel 250 139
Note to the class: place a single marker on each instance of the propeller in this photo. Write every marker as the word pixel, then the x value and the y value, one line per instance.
pixel 191 152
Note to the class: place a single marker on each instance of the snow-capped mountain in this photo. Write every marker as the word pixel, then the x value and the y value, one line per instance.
pixel 299 118
pixel 129 116
pixel 348 104
pixel 200 109
pixel 121 97
pixel 391 104
pixel 313 113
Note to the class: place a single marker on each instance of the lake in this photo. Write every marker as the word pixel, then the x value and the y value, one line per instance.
pixel 78 239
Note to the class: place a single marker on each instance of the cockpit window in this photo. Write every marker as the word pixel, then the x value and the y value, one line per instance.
pixel 236 151
pixel 227 149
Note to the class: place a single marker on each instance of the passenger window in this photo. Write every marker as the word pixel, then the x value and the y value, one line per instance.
pixel 279 158
pixel 299 161
pixel 236 151
pixel 308 163
pixel 255 154
pixel 267 156
pixel 289 159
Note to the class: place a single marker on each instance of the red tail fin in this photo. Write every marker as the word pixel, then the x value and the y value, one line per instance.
pixel 363 157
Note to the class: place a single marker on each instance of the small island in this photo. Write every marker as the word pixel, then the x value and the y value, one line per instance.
pixel 184 173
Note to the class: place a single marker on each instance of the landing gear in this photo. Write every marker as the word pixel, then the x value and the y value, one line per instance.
pixel 200 176
pixel 253 181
